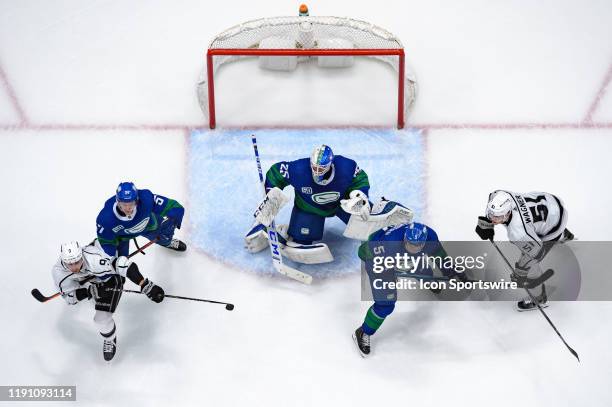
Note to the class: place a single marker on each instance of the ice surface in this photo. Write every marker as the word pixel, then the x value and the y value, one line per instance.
pixel 109 91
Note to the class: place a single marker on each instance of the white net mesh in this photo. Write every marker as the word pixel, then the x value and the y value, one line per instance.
pixel 361 34
pixel 307 33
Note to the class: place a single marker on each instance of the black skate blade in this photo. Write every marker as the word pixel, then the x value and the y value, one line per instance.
pixel 516 307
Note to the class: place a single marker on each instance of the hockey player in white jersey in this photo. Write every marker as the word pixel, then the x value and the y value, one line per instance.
pixel 83 273
pixel 535 221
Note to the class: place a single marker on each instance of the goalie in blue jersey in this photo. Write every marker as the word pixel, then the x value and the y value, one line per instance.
pixel 325 185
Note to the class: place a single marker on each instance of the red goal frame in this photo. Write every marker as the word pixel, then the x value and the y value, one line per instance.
pixel 212 52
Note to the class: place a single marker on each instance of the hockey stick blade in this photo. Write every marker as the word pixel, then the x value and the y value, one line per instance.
pixel 540 280
pixel 294 274
pixel 569 348
pixel 40 297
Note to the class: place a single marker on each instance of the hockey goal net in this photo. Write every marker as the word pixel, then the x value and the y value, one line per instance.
pixel 281 43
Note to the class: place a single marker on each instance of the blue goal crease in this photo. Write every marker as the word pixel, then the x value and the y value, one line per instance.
pixel 224 187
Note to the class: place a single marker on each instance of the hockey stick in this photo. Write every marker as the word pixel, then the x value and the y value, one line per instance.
pixel 572 351
pixel 228 306
pixel 43 298
pixel 277 258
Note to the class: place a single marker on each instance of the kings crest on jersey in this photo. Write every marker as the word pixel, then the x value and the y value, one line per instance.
pixel 114 227
pixel 319 198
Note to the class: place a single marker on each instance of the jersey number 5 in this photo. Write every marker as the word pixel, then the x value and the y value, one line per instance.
pixel 538 212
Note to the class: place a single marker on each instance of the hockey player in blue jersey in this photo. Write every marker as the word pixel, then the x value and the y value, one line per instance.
pixel 415 239
pixel 320 183
pixel 131 213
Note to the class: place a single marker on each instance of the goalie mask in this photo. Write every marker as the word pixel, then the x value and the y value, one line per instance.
pixel 321 162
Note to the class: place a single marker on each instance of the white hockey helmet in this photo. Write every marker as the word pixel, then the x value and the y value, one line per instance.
pixel 499 207
pixel 71 253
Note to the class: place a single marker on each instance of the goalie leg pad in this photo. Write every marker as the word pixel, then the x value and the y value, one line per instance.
pixel 316 253
pixel 307 254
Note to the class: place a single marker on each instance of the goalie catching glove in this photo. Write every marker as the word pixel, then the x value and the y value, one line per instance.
pixel 270 206
pixel 384 213
pixel 357 204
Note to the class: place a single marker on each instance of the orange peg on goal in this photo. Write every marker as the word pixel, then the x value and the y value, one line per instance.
pixel 303 10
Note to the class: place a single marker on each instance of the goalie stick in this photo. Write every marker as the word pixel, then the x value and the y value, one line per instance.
pixel 43 298
pixel 535 301
pixel 277 258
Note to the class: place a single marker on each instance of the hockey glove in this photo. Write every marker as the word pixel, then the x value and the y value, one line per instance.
pixel 270 206
pixel 87 293
pixel 166 229
pixel 153 291
pixel 484 228
pixel 357 204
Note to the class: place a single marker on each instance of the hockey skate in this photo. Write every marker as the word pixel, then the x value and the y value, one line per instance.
pixel 567 236
pixel 109 348
pixel 177 245
pixel 362 341
pixel 526 304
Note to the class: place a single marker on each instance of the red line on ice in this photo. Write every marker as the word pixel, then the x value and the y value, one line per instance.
pixel 186 127
pixel 510 126
pixel 600 94
pixel 13 96
pixel 100 127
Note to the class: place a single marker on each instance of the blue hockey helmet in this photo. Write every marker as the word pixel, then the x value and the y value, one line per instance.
pixel 321 161
pixel 415 237
pixel 127 192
